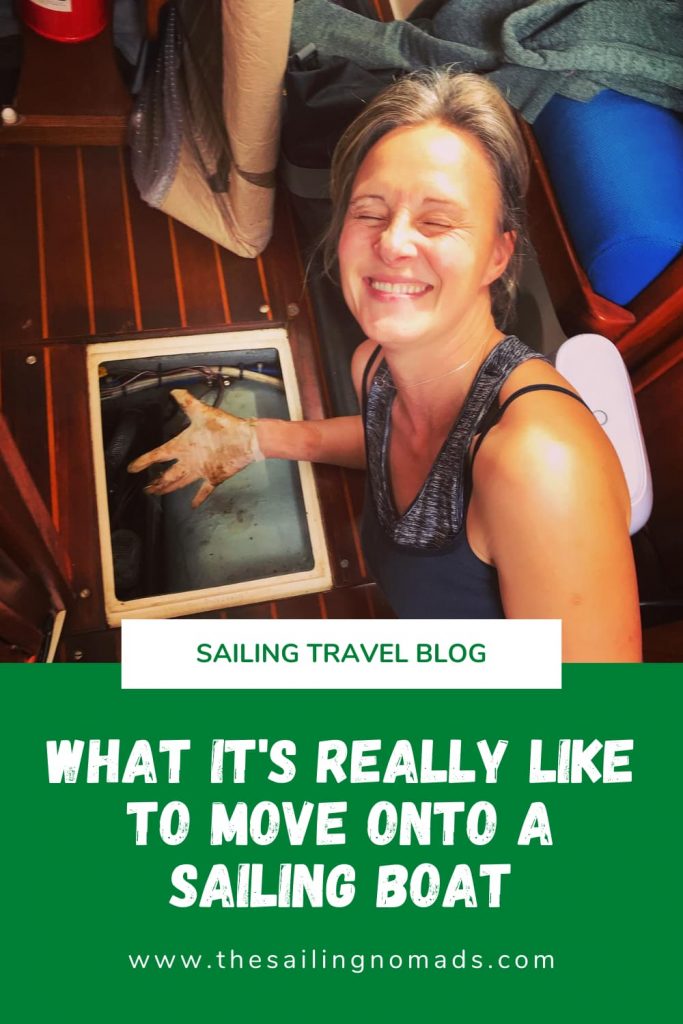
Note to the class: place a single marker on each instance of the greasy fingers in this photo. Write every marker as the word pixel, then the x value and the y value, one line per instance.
pixel 167 451
pixel 170 481
pixel 188 402
pixel 214 447
pixel 163 453
pixel 202 494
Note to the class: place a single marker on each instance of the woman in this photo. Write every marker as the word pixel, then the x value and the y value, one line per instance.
pixel 492 491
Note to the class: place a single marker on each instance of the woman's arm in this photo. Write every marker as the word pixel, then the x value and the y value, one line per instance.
pixel 338 440
pixel 553 510
pixel 216 445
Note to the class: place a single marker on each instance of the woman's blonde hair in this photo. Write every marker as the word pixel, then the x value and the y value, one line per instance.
pixel 466 102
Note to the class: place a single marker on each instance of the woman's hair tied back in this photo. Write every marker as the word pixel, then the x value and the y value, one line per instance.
pixel 467 103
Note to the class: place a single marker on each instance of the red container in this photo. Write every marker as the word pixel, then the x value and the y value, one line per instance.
pixel 66 21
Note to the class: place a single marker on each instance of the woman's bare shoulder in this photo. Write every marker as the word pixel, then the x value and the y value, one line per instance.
pixel 533 371
pixel 548 447
pixel 552 514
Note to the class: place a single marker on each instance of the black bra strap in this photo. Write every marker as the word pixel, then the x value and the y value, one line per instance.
pixel 366 376
pixel 518 394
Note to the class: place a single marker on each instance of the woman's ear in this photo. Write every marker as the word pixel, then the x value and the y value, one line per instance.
pixel 503 249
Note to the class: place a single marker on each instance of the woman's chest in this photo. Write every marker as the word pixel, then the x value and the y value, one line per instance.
pixel 410 460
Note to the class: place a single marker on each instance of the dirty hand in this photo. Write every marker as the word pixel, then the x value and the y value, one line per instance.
pixel 214 447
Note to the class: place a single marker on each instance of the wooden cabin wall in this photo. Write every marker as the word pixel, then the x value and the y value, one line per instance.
pixel 659 392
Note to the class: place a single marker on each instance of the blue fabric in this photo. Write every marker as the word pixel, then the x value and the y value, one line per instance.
pixel 616 165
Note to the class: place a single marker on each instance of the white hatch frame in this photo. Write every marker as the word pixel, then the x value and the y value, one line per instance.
pixel 314 580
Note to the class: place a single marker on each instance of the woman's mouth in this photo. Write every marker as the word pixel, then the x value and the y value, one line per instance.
pixel 397 289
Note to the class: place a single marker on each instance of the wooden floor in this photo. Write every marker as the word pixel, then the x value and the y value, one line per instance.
pixel 82 257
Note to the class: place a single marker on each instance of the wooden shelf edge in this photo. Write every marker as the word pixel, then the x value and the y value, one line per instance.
pixel 67 130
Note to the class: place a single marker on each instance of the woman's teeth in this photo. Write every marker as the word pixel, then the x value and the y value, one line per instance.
pixel 398 288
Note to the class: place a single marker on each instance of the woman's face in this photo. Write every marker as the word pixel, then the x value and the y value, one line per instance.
pixel 421 243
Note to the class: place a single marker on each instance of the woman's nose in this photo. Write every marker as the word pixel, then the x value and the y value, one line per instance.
pixel 397 239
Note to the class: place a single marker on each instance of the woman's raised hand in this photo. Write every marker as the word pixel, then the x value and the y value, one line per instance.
pixel 213 448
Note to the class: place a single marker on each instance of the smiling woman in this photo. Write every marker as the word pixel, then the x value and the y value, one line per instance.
pixel 420 246
pixel 428 192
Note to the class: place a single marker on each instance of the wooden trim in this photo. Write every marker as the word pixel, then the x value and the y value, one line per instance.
pixel 11 654
pixel 384 11
pixel 130 245
pixel 153 11
pixel 51 443
pixel 659 314
pixel 75 484
pixel 25 522
pixel 70 95
pixel 40 230
pixel 664 361
pixel 663 643
pixel 221 284
pixel 17 629
pixel 66 130
pixel 348 504
pixel 264 288
pixel 87 259
pixel 178 277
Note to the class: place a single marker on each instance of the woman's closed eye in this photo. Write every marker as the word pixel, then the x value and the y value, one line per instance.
pixel 425 226
pixel 433 225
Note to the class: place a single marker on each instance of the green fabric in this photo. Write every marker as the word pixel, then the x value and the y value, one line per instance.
pixel 530 50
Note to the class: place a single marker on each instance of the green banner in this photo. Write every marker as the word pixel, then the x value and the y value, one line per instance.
pixel 440 893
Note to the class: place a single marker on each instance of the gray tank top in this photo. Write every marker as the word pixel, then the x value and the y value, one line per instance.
pixel 437 514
